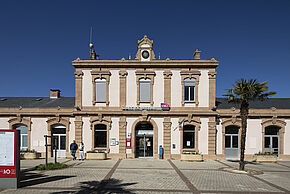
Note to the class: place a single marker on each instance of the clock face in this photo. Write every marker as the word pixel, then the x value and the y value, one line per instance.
pixel 145 54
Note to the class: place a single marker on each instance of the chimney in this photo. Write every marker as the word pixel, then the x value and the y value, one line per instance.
pixel 196 54
pixel 54 93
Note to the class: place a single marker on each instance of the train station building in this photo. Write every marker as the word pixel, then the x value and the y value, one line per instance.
pixel 128 108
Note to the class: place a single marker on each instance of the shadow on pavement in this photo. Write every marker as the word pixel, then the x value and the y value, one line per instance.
pixel 30 179
pixel 106 186
pixel 246 162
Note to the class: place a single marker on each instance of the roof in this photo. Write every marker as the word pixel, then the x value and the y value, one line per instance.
pixel 278 103
pixel 37 102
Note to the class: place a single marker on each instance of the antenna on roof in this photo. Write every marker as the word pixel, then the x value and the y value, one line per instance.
pixel 129 55
pixel 159 56
pixel 91 45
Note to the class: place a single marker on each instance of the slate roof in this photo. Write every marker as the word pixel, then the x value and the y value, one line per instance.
pixel 37 102
pixel 279 103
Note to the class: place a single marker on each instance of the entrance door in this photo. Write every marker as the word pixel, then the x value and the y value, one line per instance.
pixel 272 140
pixel 59 140
pixel 144 140
pixel 232 142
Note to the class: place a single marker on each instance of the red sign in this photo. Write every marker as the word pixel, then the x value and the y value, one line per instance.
pixel 128 142
pixel 8 144
pixel 165 106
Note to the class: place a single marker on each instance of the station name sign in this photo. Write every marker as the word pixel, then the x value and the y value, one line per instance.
pixel 163 107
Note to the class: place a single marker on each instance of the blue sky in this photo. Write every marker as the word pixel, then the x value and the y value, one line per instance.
pixel 39 39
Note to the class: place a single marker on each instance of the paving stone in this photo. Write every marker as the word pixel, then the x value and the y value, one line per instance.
pixel 281 179
pixel 144 163
pixel 153 179
pixel 207 164
pixel 225 181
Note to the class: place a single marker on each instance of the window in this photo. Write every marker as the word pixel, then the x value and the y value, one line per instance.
pixel 145 90
pixel 100 139
pixel 101 94
pixel 23 136
pixel 189 85
pixel 188 136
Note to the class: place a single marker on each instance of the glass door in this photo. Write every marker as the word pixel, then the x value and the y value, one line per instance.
pixel 58 143
pixel 272 144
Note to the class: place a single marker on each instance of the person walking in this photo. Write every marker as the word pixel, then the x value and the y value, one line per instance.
pixel 73 149
pixel 81 148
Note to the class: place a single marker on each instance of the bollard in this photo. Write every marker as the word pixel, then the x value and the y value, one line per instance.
pixel 160 152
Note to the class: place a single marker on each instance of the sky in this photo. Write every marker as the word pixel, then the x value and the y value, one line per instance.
pixel 40 39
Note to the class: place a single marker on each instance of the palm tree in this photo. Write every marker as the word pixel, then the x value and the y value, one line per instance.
pixel 242 93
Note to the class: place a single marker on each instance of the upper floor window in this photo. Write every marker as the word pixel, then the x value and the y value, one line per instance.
pixel 189 86
pixel 145 90
pixel 101 90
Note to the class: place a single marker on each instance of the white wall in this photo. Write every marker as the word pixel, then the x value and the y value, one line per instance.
pixel 38 130
pixel 158 89
pixel 87 88
pixel 176 90
pixel 4 123
pixel 287 138
pixel 131 90
pixel 203 89
pixel 114 89
pixel 130 122
pixel 159 123
pixel 219 144
pixel 114 133
pixel 254 136
pixel 71 134
pixel 203 136
pixel 87 134
pixel 175 136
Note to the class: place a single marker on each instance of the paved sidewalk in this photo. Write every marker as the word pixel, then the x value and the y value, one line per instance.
pixel 153 176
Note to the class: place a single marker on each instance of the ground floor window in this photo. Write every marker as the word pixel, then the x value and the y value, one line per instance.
pixel 23 136
pixel 272 139
pixel 100 137
pixel 188 136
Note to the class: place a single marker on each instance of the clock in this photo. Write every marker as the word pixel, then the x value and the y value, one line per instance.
pixel 145 54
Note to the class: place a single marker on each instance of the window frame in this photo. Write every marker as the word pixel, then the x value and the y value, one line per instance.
pixel 102 130
pixel 145 74
pixel 191 98
pixel 185 74
pixel 100 74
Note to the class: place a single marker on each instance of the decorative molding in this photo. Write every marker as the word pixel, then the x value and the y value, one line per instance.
pixel 100 74
pixel 145 74
pixel 190 74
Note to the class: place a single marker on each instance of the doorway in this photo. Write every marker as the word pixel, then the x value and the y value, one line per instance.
pixel 272 140
pixel 144 140
pixel 59 140
pixel 232 142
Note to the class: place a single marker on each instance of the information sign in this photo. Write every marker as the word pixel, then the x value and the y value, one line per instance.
pixel 8 144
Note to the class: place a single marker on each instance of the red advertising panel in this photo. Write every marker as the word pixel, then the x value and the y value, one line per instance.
pixel 8 145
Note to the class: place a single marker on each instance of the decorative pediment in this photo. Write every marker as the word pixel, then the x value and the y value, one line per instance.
pixel 145 44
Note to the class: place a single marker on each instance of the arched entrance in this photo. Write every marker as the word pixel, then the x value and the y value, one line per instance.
pixel 59 139
pixel 272 139
pixel 232 142
pixel 144 135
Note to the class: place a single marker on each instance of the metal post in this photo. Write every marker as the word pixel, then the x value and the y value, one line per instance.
pixel 46 150
pixel 144 145
pixel 55 152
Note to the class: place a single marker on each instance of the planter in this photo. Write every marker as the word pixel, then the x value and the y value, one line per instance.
pixel 29 155
pixel 96 156
pixel 266 158
pixel 192 157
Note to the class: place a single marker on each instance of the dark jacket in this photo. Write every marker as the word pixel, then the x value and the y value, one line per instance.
pixel 73 146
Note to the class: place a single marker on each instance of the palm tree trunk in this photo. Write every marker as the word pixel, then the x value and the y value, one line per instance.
pixel 244 110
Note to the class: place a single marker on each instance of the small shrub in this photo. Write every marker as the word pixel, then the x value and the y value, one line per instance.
pixel 51 166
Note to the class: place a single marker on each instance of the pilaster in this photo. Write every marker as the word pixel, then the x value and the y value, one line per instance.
pixel 167 86
pixel 78 129
pixel 167 137
pixel 78 88
pixel 122 135
pixel 123 77
pixel 212 87
pixel 212 137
